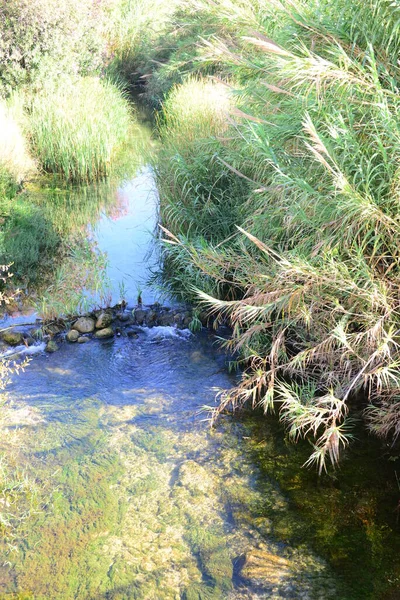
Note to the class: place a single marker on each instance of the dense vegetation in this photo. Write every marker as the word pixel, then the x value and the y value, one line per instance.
pixel 278 175
pixel 279 202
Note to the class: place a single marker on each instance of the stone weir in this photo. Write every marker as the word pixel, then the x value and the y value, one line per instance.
pixel 96 325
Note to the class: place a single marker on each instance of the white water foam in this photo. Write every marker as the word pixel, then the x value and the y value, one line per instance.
pixel 24 350
pixel 163 332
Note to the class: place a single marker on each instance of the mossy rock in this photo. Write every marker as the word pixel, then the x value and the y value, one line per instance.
pixel 72 335
pixel 102 334
pixel 51 346
pixel 195 478
pixel 104 320
pixel 13 338
pixel 84 325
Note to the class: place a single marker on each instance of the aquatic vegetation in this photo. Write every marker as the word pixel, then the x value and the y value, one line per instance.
pixel 138 500
pixel 76 130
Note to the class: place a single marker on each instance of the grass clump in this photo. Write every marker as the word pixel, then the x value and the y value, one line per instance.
pixel 201 201
pixel 310 280
pixel 76 131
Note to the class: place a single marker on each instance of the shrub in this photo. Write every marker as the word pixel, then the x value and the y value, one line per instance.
pixel 77 130
pixel 43 39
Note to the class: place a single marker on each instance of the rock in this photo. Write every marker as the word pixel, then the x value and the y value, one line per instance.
pixel 13 338
pixel 264 566
pixel 139 315
pixel 51 346
pixel 166 319
pixel 132 334
pixel 82 339
pixel 72 335
pixel 123 316
pixel 151 317
pixel 104 320
pixel 195 478
pixel 84 325
pixel 29 341
pixel 53 329
pixel 105 333
pixel 187 319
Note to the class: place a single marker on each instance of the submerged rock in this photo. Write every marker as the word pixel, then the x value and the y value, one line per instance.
pixel 84 325
pixel 104 320
pixel 132 334
pixel 82 339
pixel 263 566
pixel 12 338
pixel 102 334
pixel 123 316
pixel 51 346
pixel 139 315
pixel 195 478
pixel 72 335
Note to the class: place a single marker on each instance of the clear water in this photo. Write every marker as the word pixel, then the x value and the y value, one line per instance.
pixel 134 496
pixel 126 236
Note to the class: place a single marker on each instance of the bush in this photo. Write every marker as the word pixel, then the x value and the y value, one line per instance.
pixel 44 39
pixel 77 130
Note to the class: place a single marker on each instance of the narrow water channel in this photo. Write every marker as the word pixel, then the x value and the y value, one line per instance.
pixel 113 484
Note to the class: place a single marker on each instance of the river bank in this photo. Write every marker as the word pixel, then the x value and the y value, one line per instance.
pixel 272 183
pixel 116 428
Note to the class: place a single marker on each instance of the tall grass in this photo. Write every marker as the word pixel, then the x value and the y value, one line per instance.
pixel 199 197
pixel 77 130
pixel 136 27
pixel 310 280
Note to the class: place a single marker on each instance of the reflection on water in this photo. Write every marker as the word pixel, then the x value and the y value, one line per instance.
pixel 107 250
pixel 138 497
pixel 125 235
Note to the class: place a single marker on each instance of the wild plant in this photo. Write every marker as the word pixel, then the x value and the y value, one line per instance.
pixel 76 130
pixel 313 279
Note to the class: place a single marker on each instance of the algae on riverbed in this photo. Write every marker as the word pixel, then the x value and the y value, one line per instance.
pixel 139 498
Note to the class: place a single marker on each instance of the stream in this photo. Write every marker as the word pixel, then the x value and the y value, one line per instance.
pixel 113 484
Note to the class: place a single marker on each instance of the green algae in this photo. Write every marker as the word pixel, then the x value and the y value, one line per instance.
pixel 129 504
pixel 349 516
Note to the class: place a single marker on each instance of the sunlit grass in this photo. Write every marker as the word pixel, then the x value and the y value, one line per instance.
pixel 77 130
pixel 310 281
pixel 15 161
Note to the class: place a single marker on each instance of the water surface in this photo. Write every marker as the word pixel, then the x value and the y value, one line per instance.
pixel 134 496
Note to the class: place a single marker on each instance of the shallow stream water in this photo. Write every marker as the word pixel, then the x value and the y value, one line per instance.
pixel 113 485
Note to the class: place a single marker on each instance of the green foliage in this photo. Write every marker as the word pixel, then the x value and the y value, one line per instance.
pixel 310 284
pixel 76 131
pixel 43 39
